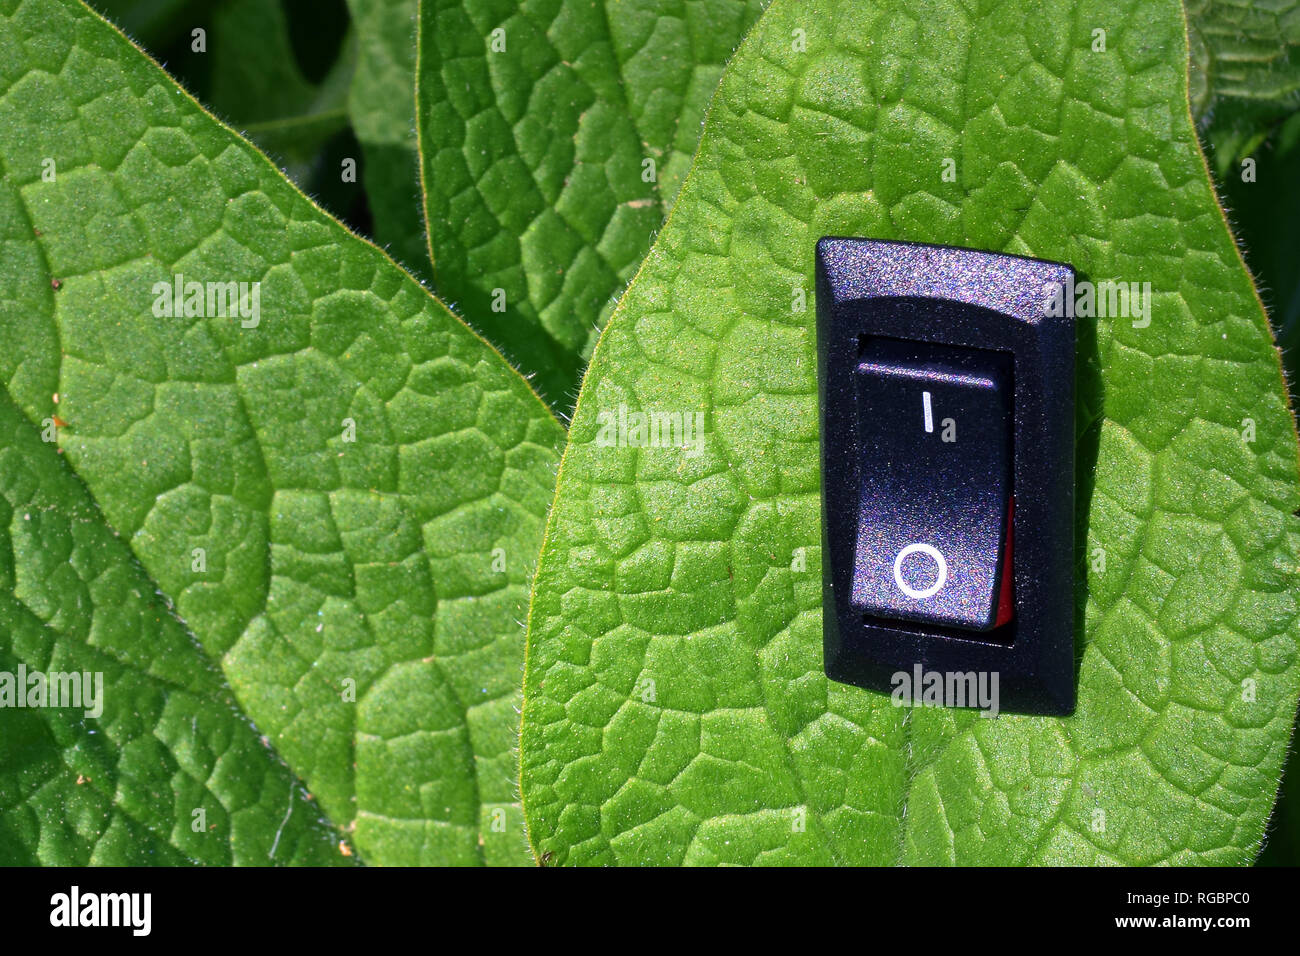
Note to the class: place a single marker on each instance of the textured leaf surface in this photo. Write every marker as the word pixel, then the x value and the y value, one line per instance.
pixel 381 104
pixel 121 788
pixel 534 155
pixel 1244 50
pixel 1245 71
pixel 1266 218
pixel 396 564
pixel 675 707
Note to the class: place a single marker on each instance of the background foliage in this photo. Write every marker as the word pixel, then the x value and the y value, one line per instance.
pixel 529 172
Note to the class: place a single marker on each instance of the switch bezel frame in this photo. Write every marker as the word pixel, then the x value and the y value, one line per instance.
pixel 951 296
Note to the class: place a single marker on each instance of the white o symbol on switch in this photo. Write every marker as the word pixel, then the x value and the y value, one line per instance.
pixel 939 562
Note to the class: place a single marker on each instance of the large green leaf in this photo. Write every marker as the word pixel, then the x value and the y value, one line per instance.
pixel 675 708
pixel 554 136
pixel 381 104
pixel 318 571
pixel 169 772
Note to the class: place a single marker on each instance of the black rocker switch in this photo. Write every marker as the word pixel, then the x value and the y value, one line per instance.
pixel 934 423
pixel 946 383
